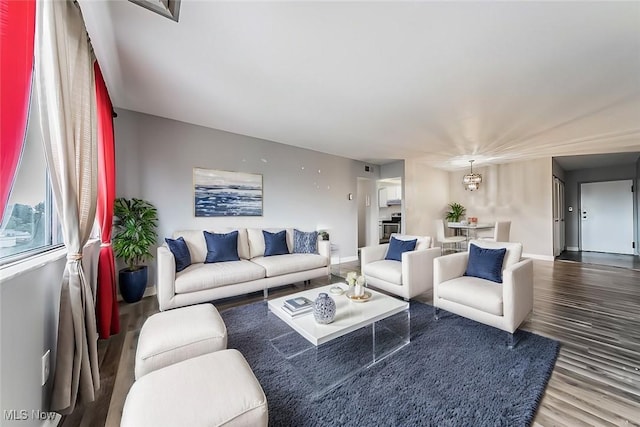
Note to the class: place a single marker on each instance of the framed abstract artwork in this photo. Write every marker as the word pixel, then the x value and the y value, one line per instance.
pixel 223 193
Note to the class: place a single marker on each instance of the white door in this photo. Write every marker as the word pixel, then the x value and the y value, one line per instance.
pixel 606 217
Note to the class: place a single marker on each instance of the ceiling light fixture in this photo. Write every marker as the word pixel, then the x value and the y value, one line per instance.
pixel 471 181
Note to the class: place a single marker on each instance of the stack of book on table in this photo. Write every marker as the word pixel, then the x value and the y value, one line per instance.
pixel 296 306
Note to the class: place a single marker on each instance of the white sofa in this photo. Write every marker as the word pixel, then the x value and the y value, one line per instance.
pixel 202 282
pixel 408 278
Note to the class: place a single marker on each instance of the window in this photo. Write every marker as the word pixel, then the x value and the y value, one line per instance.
pixel 30 224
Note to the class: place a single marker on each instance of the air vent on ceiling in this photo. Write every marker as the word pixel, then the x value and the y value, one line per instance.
pixel 167 8
pixel 368 168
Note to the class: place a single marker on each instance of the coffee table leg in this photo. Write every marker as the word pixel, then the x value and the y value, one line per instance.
pixel 390 335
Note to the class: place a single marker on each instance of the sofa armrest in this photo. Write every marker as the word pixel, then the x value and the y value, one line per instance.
pixel 370 254
pixel 417 271
pixel 165 282
pixel 517 293
pixel 449 267
pixel 324 249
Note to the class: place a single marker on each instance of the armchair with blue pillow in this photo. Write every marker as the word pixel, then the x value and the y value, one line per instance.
pixel 403 267
pixel 490 284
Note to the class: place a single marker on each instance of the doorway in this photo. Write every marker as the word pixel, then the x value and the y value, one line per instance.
pixel 367 225
pixel 606 217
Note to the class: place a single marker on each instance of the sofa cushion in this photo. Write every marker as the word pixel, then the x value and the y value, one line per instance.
pixel 397 247
pixel 305 242
pixel 221 247
pixel 473 292
pixel 180 251
pixel 198 247
pixel 423 242
pixel 275 243
pixel 485 263
pixel 389 271
pixel 291 263
pixel 199 276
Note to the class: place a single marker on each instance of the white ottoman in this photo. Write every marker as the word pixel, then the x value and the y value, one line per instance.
pixel 172 336
pixel 217 389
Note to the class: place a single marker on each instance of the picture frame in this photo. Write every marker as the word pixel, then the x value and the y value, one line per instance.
pixel 219 193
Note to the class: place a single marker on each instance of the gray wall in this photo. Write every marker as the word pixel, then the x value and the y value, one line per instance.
pixel 557 170
pixel 572 196
pixel 29 305
pixel 302 188
pixel 392 170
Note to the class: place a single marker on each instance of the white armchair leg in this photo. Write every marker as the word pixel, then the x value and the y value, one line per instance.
pixel 436 313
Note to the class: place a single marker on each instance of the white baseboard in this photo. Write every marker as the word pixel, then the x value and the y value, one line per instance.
pixel 540 257
pixel 573 249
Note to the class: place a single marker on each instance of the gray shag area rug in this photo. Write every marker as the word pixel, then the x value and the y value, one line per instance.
pixel 454 372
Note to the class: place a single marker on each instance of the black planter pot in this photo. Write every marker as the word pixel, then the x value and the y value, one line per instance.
pixel 133 283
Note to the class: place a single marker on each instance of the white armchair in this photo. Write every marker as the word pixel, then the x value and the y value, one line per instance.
pixel 407 278
pixel 501 305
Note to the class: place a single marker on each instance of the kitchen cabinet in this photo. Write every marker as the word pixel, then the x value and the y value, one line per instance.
pixel 382 197
pixel 388 196
pixel 394 195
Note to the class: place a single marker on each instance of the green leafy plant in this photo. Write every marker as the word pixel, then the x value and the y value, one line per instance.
pixel 323 235
pixel 456 212
pixel 135 225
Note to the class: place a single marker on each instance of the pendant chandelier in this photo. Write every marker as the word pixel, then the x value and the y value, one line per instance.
pixel 471 181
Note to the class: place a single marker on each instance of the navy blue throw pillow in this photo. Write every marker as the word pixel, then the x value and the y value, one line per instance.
pixel 180 251
pixel 275 243
pixel 221 247
pixel 397 247
pixel 485 263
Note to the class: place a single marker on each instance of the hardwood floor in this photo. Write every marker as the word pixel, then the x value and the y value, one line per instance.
pixel 594 311
pixel 600 258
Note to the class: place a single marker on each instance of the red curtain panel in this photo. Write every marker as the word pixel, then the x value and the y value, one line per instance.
pixel 17 28
pixel 107 315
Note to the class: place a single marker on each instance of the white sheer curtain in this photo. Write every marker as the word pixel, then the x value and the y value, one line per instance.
pixel 66 92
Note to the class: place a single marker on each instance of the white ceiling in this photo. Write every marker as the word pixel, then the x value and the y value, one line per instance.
pixel 437 81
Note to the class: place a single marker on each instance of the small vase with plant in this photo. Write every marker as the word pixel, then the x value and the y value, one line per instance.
pixel 456 211
pixel 356 284
pixel 135 226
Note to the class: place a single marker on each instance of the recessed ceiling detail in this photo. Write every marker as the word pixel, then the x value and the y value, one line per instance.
pixel 167 8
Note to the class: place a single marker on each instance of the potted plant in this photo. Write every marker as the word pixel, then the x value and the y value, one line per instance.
pixel 135 226
pixel 456 211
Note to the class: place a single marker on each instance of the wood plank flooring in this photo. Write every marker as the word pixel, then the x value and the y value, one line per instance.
pixel 594 311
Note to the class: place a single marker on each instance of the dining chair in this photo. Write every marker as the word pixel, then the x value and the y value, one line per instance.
pixel 500 232
pixel 447 240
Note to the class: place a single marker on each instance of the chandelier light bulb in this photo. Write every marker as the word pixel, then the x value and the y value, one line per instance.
pixel 471 181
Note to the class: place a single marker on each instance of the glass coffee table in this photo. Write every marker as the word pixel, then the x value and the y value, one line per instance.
pixel 361 335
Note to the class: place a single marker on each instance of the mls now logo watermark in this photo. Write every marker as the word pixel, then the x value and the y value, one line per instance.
pixel 24 414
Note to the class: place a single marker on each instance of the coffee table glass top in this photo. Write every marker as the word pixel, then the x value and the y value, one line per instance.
pixel 350 315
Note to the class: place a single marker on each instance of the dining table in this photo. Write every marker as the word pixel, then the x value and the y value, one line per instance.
pixel 470 230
